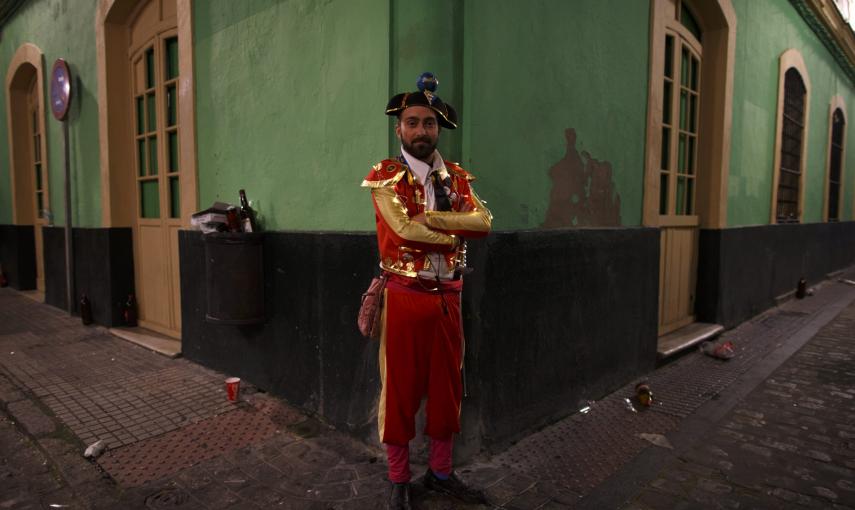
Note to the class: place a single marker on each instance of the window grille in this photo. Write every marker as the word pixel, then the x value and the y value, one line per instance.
pixel 792 134
pixel 835 163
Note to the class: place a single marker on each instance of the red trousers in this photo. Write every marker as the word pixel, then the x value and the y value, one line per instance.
pixel 421 352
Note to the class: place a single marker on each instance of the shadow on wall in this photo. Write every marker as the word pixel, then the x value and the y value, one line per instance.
pixel 583 194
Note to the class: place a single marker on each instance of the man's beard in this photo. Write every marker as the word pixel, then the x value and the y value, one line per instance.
pixel 422 151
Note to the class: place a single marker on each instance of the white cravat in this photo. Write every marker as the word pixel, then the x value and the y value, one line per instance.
pixel 422 171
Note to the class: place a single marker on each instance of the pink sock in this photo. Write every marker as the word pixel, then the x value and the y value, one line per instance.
pixel 399 463
pixel 439 458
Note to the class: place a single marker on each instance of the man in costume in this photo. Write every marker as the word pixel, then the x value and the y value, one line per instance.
pixel 425 207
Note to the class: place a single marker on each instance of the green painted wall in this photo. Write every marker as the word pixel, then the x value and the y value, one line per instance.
pixel 426 35
pixel 290 95
pixel 290 99
pixel 261 65
pixel 764 31
pixel 532 70
pixel 71 38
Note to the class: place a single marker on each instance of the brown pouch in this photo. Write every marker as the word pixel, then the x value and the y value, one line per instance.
pixel 372 304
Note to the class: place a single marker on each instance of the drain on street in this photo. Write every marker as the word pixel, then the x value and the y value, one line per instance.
pixel 166 498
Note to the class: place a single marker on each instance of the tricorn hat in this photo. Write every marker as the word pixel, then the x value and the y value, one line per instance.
pixel 425 96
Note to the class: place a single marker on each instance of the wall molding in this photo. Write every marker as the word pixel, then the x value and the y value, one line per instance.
pixel 825 20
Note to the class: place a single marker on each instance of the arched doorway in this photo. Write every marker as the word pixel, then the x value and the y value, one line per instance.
pixel 688 141
pixel 148 143
pixel 27 147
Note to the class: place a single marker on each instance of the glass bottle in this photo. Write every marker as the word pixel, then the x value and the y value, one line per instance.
pixel 247 215
pixel 129 311
pixel 85 310
pixel 232 219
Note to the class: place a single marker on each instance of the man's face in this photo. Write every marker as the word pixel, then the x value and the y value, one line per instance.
pixel 418 131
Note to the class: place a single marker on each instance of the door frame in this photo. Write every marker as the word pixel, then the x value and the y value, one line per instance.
pixel 27 64
pixel 35 104
pixel 717 19
pixel 114 115
pixel 115 120
pixel 27 61
pixel 165 225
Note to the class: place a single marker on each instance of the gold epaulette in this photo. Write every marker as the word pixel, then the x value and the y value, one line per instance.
pixel 386 173
pixel 457 170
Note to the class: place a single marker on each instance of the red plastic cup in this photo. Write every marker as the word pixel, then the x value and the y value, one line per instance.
pixel 232 388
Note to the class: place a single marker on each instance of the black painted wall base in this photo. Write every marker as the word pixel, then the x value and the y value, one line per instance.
pixel 18 255
pixel 742 270
pixel 309 350
pixel 103 270
pixel 552 318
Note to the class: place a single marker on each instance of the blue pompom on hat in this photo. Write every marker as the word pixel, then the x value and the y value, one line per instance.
pixel 427 84
pixel 427 81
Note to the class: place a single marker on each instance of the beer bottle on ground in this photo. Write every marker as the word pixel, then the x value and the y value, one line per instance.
pixel 129 311
pixel 85 310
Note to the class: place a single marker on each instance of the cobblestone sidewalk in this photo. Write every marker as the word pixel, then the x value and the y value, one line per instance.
pixel 175 442
pixel 789 444
pixel 567 460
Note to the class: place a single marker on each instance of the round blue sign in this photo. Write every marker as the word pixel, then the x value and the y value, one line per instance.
pixel 60 89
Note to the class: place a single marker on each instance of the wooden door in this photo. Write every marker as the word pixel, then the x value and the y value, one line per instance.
pixel 41 204
pixel 154 71
pixel 678 219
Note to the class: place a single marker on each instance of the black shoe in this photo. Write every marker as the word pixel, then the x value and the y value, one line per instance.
pixel 453 487
pixel 399 496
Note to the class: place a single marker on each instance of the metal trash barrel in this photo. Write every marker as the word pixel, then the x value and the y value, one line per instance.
pixel 234 272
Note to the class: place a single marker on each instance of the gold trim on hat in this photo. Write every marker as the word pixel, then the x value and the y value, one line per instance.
pixel 432 107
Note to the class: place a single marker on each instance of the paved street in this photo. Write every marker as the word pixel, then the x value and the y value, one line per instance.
pixel 790 443
pixel 772 428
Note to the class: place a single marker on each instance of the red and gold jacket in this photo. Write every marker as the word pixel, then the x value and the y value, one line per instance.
pixel 404 243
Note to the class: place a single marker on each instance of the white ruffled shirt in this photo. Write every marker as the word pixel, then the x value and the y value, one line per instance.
pixel 422 171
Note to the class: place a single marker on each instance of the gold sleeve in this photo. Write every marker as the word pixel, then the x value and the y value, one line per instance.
pixel 478 221
pixel 383 183
pixel 395 215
